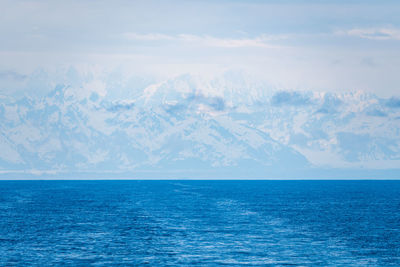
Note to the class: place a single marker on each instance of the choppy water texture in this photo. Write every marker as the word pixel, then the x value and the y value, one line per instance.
pixel 200 222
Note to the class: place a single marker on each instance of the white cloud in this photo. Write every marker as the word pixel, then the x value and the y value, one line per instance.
pixel 147 36
pixel 206 40
pixel 260 41
pixel 373 33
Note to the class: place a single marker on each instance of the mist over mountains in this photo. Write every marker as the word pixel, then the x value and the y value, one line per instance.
pixel 189 126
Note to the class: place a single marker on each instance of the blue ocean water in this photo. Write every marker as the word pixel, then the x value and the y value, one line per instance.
pixel 200 223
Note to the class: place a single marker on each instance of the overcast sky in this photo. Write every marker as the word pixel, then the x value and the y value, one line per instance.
pixel 310 45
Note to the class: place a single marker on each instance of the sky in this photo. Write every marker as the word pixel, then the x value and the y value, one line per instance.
pixel 305 45
pixel 264 89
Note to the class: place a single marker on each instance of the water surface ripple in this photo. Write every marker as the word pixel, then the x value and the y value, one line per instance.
pixel 161 223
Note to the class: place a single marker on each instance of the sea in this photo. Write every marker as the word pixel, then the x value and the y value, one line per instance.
pixel 200 223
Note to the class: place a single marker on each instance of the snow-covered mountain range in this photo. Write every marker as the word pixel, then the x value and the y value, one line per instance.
pixel 190 126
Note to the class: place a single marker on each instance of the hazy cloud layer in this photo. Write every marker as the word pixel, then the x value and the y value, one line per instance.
pixel 290 99
pixel 393 102
pixel 12 75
